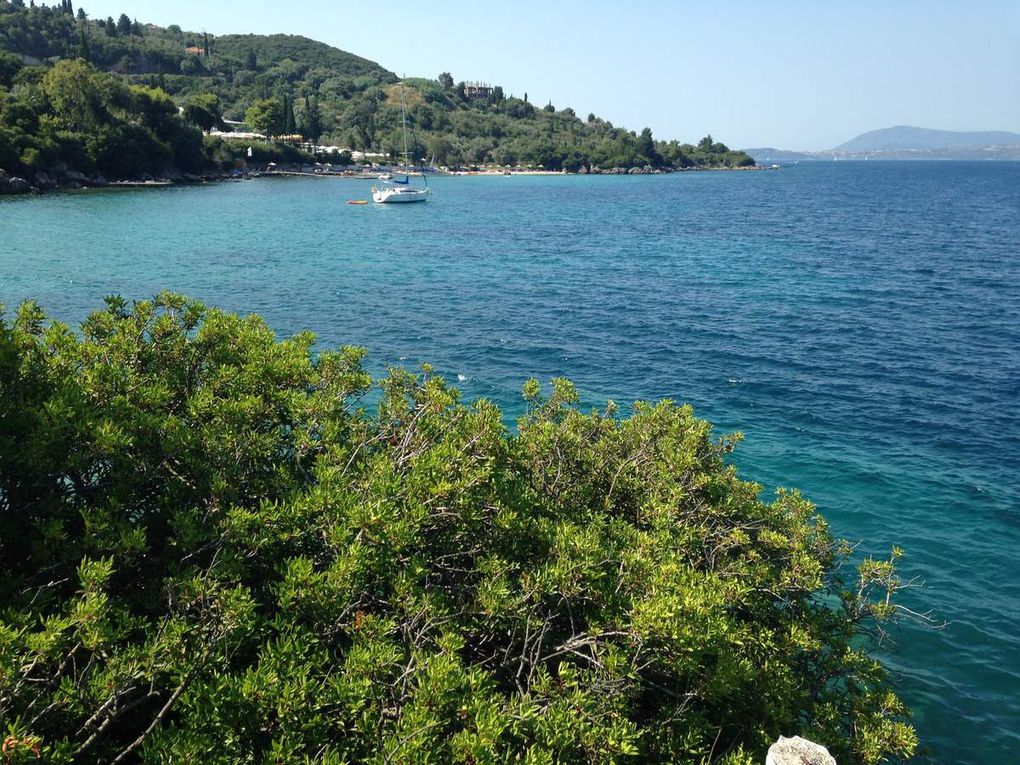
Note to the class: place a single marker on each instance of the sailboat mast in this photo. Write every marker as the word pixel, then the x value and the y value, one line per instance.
pixel 403 124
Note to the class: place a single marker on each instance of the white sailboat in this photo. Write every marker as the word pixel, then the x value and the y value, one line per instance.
pixel 395 189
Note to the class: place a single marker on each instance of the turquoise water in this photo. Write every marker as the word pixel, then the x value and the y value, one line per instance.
pixel 860 322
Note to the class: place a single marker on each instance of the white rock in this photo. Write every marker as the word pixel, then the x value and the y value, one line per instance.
pixel 798 751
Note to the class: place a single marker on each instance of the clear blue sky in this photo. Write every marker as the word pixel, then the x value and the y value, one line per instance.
pixel 793 75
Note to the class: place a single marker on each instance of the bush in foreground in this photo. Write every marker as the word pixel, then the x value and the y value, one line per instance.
pixel 212 550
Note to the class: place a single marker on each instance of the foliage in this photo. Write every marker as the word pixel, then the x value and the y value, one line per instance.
pixel 226 154
pixel 340 98
pixel 91 121
pixel 267 116
pixel 213 550
pixel 204 111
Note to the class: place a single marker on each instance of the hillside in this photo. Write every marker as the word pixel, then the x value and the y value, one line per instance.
pixel 767 155
pixel 906 142
pixel 286 85
pixel 907 138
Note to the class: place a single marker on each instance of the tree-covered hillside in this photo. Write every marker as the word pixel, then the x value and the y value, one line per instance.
pixel 289 85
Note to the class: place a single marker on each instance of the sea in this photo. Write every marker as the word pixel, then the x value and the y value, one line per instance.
pixel 859 322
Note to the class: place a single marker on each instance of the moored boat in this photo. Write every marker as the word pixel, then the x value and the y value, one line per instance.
pixel 393 189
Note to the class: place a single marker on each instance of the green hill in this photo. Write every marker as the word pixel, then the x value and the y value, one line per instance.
pixel 286 85
pixel 272 49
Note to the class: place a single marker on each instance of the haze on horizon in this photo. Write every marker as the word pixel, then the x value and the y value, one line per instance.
pixel 800 76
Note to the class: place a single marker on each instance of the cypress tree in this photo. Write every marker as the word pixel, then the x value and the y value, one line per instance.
pixel 83 46
pixel 290 123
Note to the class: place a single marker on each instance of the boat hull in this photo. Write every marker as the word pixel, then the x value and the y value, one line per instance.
pixel 387 196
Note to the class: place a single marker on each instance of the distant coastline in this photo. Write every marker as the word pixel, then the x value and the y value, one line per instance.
pixel 905 142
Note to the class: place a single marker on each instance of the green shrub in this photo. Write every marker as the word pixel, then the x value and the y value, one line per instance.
pixel 214 550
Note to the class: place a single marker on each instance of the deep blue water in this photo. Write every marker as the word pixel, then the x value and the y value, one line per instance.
pixel 860 322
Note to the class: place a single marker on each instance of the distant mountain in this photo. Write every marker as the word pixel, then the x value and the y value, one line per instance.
pixel 768 156
pixel 905 142
pixel 906 138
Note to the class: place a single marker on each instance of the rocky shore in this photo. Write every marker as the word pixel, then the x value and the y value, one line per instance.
pixel 64 178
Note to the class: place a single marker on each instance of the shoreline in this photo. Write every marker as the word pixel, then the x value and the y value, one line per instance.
pixel 72 181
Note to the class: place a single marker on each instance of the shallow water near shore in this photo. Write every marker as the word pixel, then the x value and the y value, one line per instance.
pixel 859 322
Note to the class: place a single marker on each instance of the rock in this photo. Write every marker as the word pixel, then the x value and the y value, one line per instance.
pixel 13 184
pixel 44 181
pixel 798 751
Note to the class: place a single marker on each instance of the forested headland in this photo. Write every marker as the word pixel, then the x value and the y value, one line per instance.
pixel 124 99
pixel 217 546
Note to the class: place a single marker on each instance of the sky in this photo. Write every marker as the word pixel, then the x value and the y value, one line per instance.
pixel 790 75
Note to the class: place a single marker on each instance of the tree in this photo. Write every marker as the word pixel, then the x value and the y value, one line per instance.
pixel 83 46
pixel 364 120
pixel 155 110
pixel 446 80
pixel 123 24
pixel 193 66
pixel 439 148
pixel 267 116
pixel 252 61
pixel 203 110
pixel 705 144
pixel 110 27
pixel 646 147
pixel 289 120
pixel 9 66
pixel 234 561
pixel 80 96
pixel 311 122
